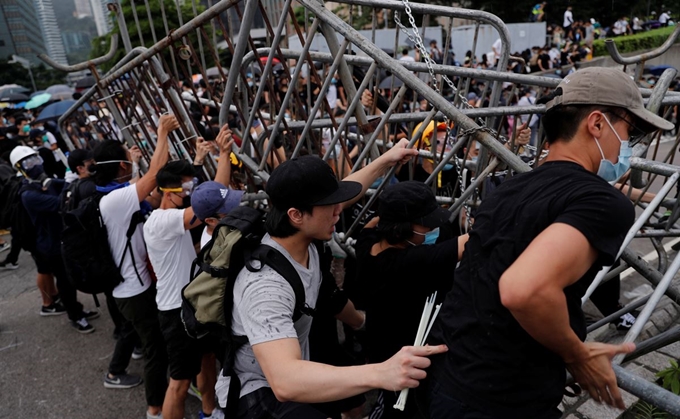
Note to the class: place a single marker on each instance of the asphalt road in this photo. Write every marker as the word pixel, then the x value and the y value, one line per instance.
pixel 50 371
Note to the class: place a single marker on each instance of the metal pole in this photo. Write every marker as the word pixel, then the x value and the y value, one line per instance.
pixel 239 51
pixel 633 230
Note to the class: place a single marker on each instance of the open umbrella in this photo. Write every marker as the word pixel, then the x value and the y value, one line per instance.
pixel 12 88
pixel 62 96
pixel 657 70
pixel 56 110
pixel 39 92
pixel 60 92
pixel 37 101
pixel 14 97
pixel 57 88
pixel 85 83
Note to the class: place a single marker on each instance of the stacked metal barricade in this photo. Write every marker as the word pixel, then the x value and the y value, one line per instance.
pixel 126 103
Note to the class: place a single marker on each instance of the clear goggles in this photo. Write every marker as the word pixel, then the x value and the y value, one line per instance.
pixel 186 188
pixel 30 162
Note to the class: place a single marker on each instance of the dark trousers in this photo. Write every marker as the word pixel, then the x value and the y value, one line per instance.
pixel 384 406
pixel 126 338
pixel 606 296
pixel 262 404
pixel 142 313
pixel 445 406
pixel 55 265
pixel 13 255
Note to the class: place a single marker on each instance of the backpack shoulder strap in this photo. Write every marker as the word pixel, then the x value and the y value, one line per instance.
pixel 136 219
pixel 279 263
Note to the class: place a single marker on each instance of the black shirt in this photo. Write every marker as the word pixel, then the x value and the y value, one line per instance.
pixel 396 283
pixel 494 365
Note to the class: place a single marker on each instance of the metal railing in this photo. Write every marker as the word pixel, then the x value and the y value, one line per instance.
pixel 289 111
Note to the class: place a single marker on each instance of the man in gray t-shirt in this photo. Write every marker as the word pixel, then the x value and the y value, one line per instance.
pixel 262 301
pixel 274 370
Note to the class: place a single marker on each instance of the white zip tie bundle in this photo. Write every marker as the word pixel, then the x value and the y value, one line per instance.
pixel 426 322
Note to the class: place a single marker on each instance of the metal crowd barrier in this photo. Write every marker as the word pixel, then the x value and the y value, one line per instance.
pixel 280 116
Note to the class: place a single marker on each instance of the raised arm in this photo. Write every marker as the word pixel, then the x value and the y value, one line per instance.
pixel 224 142
pixel 398 154
pixel 147 183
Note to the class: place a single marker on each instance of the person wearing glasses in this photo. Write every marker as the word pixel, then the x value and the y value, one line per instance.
pixel 172 253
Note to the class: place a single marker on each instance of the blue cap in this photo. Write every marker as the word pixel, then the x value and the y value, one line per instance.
pixel 211 198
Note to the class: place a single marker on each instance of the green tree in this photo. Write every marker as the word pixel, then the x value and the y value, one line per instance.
pixel 44 77
pixel 100 45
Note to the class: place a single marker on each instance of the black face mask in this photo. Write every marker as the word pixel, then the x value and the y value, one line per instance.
pixel 186 202
pixel 36 173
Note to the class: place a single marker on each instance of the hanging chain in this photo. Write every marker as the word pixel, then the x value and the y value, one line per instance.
pixel 418 43
pixel 414 36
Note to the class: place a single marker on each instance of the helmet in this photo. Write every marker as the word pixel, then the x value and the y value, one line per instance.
pixel 19 153
pixel 427 133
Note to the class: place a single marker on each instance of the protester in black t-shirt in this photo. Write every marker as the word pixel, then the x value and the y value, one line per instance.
pixel 513 319
pixel 397 273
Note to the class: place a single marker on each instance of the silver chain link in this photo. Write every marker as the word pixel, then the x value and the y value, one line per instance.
pixel 418 43
pixel 414 36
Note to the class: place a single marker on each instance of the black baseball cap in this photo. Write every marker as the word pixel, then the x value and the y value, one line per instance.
pixel 413 202
pixel 308 181
pixel 77 158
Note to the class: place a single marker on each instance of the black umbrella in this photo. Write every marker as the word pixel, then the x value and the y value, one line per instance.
pixel 56 110
pixel 14 98
pixel 387 83
pixel 85 83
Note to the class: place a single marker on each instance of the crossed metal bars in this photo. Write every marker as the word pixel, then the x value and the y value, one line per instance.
pixel 129 99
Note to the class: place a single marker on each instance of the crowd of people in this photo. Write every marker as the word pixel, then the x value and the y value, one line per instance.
pixel 505 333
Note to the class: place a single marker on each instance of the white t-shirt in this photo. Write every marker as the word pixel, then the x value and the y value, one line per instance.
pixel 117 208
pixel 568 18
pixel 205 237
pixel 332 96
pixel 620 27
pixel 664 18
pixel 407 58
pixel 263 309
pixel 171 253
pixel 496 47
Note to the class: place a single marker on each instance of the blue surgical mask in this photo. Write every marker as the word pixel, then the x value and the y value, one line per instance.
pixel 430 237
pixel 609 171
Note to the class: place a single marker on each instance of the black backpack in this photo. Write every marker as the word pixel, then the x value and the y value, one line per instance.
pixel 85 248
pixel 207 301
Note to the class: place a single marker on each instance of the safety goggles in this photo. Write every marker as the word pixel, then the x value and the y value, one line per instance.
pixel 30 162
pixel 186 188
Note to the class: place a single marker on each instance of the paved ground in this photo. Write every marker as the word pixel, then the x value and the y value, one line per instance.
pixel 51 371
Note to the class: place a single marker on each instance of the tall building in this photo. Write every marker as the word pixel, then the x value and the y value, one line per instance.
pixel 83 8
pixel 50 30
pixel 100 14
pixel 20 31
